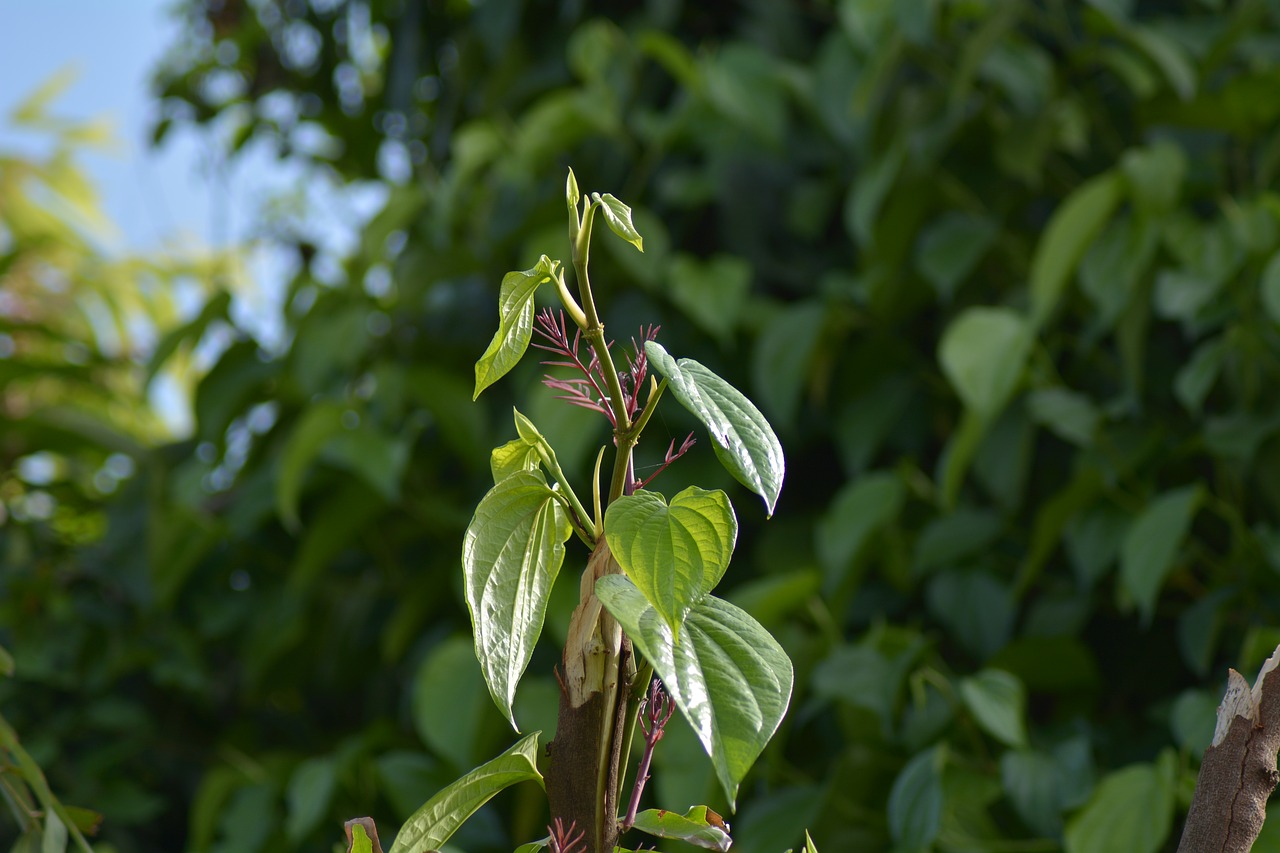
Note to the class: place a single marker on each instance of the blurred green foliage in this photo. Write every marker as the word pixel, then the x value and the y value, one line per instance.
pixel 1006 276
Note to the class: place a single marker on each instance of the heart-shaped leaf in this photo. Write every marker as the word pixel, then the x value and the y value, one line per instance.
pixel 515 322
pixel 744 442
pixel 728 675
pixel 510 558
pixel 674 554
pixel 439 817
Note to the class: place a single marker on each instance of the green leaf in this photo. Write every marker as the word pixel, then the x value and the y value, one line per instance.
pixel 512 458
pixel 1070 231
pixel 6 662
pixel 571 194
pixel 1155 176
pixel 711 292
pixel 1131 811
pixel 915 801
pixel 319 423
pixel 728 675
pixel 308 795
pixel 55 834
pixel 215 309
pixel 618 215
pixel 674 554
pixel 858 510
pixel 783 357
pixel 951 247
pixel 1151 546
pixel 699 826
pixel 511 555
pixel 515 323
pixel 439 817
pixel 1068 414
pixel 360 840
pixel 1270 285
pixel 983 352
pixel 1196 378
pixel 809 846
pixel 998 702
pixel 450 728
pixel 744 442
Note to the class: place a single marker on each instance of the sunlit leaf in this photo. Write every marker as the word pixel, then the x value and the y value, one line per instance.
pixel 618 215
pixel 699 826
pixel 511 555
pixel 728 675
pixel 439 817
pixel 674 554
pixel 744 442
pixel 515 323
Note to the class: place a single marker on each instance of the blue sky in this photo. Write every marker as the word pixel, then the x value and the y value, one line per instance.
pixel 153 196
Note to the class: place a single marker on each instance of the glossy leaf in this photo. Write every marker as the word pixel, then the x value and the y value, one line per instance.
pixel 998 702
pixel 1151 546
pixel 511 555
pixel 744 442
pixel 439 817
pixel 675 554
pixel 515 323
pixel 699 826
pixel 512 458
pixel 1073 227
pixel 728 675
pixel 1131 811
pixel 618 215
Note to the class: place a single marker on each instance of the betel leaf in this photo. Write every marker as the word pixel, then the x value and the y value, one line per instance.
pixel 744 442
pixel 515 322
pixel 1151 546
pixel 728 675
pixel 1072 228
pixel 674 554
pixel 511 458
pixel 1131 810
pixel 998 702
pixel 915 801
pixel 618 215
pixel 511 555
pixel 699 826
pixel 439 817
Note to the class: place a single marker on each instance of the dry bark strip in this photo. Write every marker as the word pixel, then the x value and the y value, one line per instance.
pixel 1238 772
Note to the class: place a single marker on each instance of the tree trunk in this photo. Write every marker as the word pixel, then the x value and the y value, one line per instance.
pixel 1238 772
pixel 585 756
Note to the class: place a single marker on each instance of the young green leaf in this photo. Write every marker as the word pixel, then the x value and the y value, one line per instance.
pixel 362 836
pixel 809 846
pixel 515 322
pixel 618 215
pixel 511 458
pixel 744 442
pixel 439 817
pixel 510 558
pixel 674 554
pixel 728 675
pixel 571 194
pixel 699 826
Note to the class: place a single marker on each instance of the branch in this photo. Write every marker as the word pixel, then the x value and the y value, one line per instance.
pixel 1238 772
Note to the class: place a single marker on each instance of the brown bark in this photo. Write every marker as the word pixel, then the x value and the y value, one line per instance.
pixel 1238 772
pixel 585 756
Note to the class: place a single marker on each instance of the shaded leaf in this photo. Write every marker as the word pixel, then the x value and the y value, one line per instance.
pixel 1070 231
pixel 308 795
pixel 915 801
pixel 1152 544
pixel 998 702
pixel 1131 811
